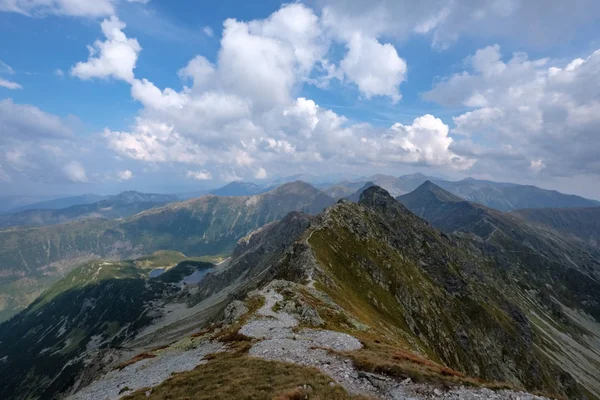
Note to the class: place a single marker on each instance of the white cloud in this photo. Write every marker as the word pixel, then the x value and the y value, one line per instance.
pixel 200 70
pixel 202 175
pixel 549 112
pixel 424 142
pixel 537 165
pixel 444 21
pixel 24 122
pixel 155 142
pixel 9 84
pixel 75 172
pixel 59 72
pixel 260 173
pixel 376 68
pixel 208 31
pixel 125 175
pixel 240 118
pixel 115 57
pixel 5 68
pixel 77 8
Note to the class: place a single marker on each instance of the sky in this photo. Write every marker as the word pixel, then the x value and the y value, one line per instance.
pixel 157 95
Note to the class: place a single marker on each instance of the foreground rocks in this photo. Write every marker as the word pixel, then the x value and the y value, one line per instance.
pixel 280 339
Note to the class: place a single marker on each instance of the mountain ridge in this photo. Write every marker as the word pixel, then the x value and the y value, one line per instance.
pixel 207 225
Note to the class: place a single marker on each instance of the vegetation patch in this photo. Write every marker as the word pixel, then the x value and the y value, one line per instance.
pixel 238 376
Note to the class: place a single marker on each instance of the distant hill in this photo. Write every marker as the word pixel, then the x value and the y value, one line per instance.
pixel 522 238
pixel 33 258
pixel 499 195
pixel 63 202
pixel 582 223
pixel 13 203
pixel 510 196
pixel 119 206
pixel 238 188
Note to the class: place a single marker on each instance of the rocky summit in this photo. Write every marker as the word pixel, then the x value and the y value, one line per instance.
pixel 363 300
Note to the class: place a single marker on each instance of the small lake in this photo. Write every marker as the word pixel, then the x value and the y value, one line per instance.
pixel 156 272
pixel 196 276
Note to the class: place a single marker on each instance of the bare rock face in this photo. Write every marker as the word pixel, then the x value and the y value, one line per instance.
pixel 234 311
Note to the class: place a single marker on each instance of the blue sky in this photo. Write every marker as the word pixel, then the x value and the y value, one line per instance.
pixel 160 95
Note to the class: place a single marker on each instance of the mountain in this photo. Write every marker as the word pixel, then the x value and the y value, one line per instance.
pixel 97 305
pixel 15 202
pixel 562 271
pixel 355 197
pixel 238 188
pixel 33 258
pixel 374 299
pixel 62 202
pixel 582 223
pixel 368 294
pixel 119 206
pixel 498 195
pixel 508 196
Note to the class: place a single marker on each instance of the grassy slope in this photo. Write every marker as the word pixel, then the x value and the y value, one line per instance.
pixel 387 288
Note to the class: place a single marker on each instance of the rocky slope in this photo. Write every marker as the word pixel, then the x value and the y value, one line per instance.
pixel 238 188
pixel 582 223
pixel 100 304
pixel 32 258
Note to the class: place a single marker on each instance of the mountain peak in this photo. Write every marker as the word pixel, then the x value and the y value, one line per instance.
pixel 237 188
pixel 431 188
pixel 375 196
pixel 296 187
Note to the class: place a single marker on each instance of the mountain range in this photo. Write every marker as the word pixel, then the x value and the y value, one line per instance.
pixel 441 291
pixel 498 195
pixel 32 258
pixel 119 206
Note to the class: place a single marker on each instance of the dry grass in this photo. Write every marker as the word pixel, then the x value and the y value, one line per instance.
pixel 135 359
pixel 238 376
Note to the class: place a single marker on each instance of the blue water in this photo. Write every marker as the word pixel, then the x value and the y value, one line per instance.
pixel 196 276
pixel 156 272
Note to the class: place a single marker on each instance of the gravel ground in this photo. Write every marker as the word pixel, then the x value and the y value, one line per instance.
pixel 146 373
pixel 309 347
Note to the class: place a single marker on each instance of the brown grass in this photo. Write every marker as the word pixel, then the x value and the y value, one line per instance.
pixel 135 359
pixel 238 376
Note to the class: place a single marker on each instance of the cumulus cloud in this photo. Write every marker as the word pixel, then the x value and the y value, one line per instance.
pixel 202 175
pixel 125 175
pixel 376 68
pixel 9 84
pixel 260 173
pixel 550 112
pixel 115 57
pixel 155 142
pixel 75 172
pixel 239 115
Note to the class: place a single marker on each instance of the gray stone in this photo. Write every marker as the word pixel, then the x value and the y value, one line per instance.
pixel 234 311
